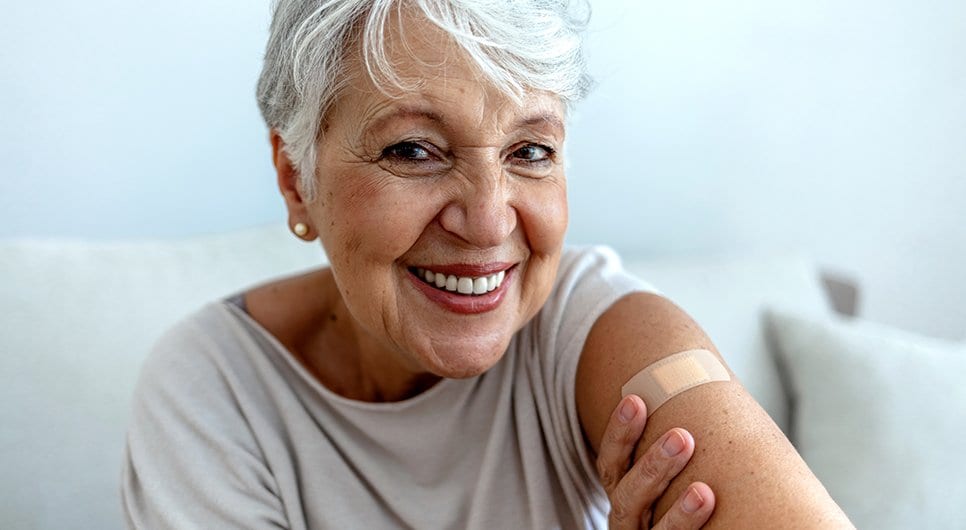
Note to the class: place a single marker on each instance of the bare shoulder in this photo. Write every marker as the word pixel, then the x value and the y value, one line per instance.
pixel 758 478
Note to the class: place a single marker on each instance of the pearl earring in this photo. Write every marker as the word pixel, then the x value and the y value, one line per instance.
pixel 300 229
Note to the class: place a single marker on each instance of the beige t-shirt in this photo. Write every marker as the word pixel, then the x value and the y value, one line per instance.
pixel 230 431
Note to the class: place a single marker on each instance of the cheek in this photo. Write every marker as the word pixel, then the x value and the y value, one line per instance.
pixel 543 211
pixel 544 216
pixel 374 220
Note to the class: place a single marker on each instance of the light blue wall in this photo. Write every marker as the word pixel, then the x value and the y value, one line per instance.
pixel 834 127
pixel 130 118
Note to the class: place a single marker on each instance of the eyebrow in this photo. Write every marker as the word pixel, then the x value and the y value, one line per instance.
pixel 543 119
pixel 545 123
pixel 405 112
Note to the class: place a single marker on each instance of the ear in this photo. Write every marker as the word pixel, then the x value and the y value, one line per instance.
pixel 288 185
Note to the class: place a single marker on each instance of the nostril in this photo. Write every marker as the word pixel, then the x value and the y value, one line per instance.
pixel 452 217
pixel 482 217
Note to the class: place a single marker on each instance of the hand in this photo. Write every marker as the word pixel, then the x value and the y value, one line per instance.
pixel 633 490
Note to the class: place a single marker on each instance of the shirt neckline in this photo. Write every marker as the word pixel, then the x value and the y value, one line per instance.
pixel 246 320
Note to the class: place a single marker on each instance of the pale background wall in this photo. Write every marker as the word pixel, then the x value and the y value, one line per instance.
pixel 837 128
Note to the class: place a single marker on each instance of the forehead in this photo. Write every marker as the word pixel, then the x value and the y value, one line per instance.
pixel 435 78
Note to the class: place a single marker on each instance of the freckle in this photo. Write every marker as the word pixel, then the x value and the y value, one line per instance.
pixel 333 318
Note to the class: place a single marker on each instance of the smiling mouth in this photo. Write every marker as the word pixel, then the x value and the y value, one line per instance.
pixel 465 285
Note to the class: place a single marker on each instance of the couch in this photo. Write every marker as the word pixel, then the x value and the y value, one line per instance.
pixel 78 317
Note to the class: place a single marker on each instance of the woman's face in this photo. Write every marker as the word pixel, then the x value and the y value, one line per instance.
pixel 430 194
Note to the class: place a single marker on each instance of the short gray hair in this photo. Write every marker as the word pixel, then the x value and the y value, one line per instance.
pixel 516 44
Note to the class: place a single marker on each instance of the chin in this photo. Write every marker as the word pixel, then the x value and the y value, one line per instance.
pixel 462 360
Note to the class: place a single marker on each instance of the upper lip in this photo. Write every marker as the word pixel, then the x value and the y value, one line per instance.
pixel 475 270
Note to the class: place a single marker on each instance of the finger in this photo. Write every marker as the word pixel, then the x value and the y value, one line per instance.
pixel 641 486
pixel 624 429
pixel 691 510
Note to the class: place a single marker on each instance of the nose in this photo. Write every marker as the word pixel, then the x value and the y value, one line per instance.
pixel 481 214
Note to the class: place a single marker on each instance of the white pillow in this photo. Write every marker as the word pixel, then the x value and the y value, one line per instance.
pixel 880 416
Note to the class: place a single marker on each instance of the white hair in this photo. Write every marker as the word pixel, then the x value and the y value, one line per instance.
pixel 517 45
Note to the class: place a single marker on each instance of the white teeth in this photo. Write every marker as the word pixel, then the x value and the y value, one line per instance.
pixel 462 284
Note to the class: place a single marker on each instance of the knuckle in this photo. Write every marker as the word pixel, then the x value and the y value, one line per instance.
pixel 619 510
pixel 673 522
pixel 616 436
pixel 651 469
pixel 606 475
pixel 617 514
pixel 678 520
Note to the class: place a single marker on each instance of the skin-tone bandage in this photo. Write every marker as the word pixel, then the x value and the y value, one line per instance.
pixel 670 376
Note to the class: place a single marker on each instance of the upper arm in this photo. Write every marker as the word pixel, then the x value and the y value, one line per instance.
pixel 757 476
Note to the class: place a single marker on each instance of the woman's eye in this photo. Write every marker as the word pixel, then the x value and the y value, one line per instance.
pixel 533 153
pixel 407 151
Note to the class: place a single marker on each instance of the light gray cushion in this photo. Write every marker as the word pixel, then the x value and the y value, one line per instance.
pixel 880 417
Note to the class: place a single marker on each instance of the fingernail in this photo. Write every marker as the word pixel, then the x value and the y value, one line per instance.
pixel 673 445
pixel 627 411
pixel 692 501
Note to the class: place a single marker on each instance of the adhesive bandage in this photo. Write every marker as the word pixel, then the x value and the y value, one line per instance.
pixel 674 374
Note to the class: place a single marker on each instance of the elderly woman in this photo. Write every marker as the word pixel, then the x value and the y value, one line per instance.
pixel 454 366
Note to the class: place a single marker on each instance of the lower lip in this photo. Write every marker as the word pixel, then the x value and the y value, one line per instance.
pixel 464 304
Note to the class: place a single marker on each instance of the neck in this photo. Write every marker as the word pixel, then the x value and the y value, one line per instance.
pixel 347 360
